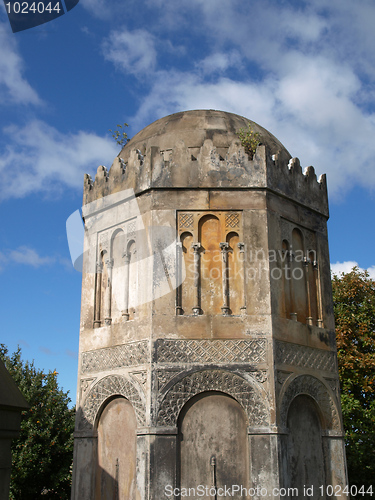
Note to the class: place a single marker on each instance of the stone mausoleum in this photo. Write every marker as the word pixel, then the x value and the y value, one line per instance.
pixel 207 354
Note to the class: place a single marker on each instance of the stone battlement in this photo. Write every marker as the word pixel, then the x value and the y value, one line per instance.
pixel 210 167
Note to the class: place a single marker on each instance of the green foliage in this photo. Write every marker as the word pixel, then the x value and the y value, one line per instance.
pixel 249 140
pixel 119 135
pixel 354 307
pixel 42 455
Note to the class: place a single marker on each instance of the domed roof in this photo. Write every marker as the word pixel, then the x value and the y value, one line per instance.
pixel 193 128
pixel 201 149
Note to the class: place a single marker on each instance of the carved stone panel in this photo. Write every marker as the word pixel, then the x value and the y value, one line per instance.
pixel 130 354
pixel 313 387
pixel 113 385
pixel 211 351
pixel 251 398
pixel 307 357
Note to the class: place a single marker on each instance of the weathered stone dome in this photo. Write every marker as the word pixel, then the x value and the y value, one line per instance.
pixel 193 128
pixel 201 149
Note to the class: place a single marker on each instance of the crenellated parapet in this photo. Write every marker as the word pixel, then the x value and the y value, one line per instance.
pixel 210 167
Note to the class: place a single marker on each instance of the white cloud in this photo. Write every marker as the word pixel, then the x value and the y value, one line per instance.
pixel 347 266
pixel 131 51
pixel 29 257
pixel 220 62
pixel 42 159
pixel 308 94
pixel 306 74
pixel 13 86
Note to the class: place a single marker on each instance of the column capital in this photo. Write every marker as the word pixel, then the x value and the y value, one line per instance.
pixel 109 263
pixel 126 257
pixel 241 246
pixel 196 246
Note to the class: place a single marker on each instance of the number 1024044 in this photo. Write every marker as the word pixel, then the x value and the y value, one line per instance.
pixel 33 8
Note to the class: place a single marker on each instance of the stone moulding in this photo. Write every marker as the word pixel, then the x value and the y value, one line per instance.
pixel 211 351
pixel 306 357
pixel 250 397
pixel 108 387
pixel 129 354
pixel 317 390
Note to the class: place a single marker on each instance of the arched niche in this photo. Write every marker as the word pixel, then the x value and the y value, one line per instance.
pixel 313 448
pixel 115 476
pixel 118 245
pixel 313 284
pixel 286 277
pixel 187 288
pixel 314 388
pixel 209 232
pixel 101 284
pixel 304 450
pixel 131 283
pixel 235 273
pixel 213 442
pixel 299 292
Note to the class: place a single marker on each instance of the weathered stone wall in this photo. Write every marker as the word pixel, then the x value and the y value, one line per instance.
pixel 249 332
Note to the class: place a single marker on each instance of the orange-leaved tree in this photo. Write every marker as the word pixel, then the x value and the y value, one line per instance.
pixel 354 307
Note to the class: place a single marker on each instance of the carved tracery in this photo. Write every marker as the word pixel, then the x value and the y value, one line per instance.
pixel 213 253
pixel 116 279
pixel 313 387
pixel 250 397
pixel 300 274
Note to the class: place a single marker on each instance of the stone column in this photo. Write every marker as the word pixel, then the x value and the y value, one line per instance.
pixel 319 321
pixel 224 252
pixel 293 315
pixel 309 319
pixel 85 460
pixel 196 308
pixel 335 461
pixel 98 294
pixel 241 247
pixel 125 312
pixel 108 293
pixel 265 446
pixel 179 257
pixel 157 461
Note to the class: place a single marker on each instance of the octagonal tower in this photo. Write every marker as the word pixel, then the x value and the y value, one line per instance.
pixel 207 346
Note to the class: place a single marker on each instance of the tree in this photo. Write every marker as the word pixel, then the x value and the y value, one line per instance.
pixel 42 455
pixel 249 140
pixel 354 307
pixel 119 135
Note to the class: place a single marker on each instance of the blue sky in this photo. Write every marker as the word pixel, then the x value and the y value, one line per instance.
pixel 304 70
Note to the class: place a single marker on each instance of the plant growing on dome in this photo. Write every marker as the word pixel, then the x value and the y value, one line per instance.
pixel 119 135
pixel 249 140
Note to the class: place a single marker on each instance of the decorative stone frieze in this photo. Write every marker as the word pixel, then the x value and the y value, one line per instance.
pixel 130 354
pixel 303 356
pixel 107 387
pixel 211 351
pixel 252 399
pixel 313 387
